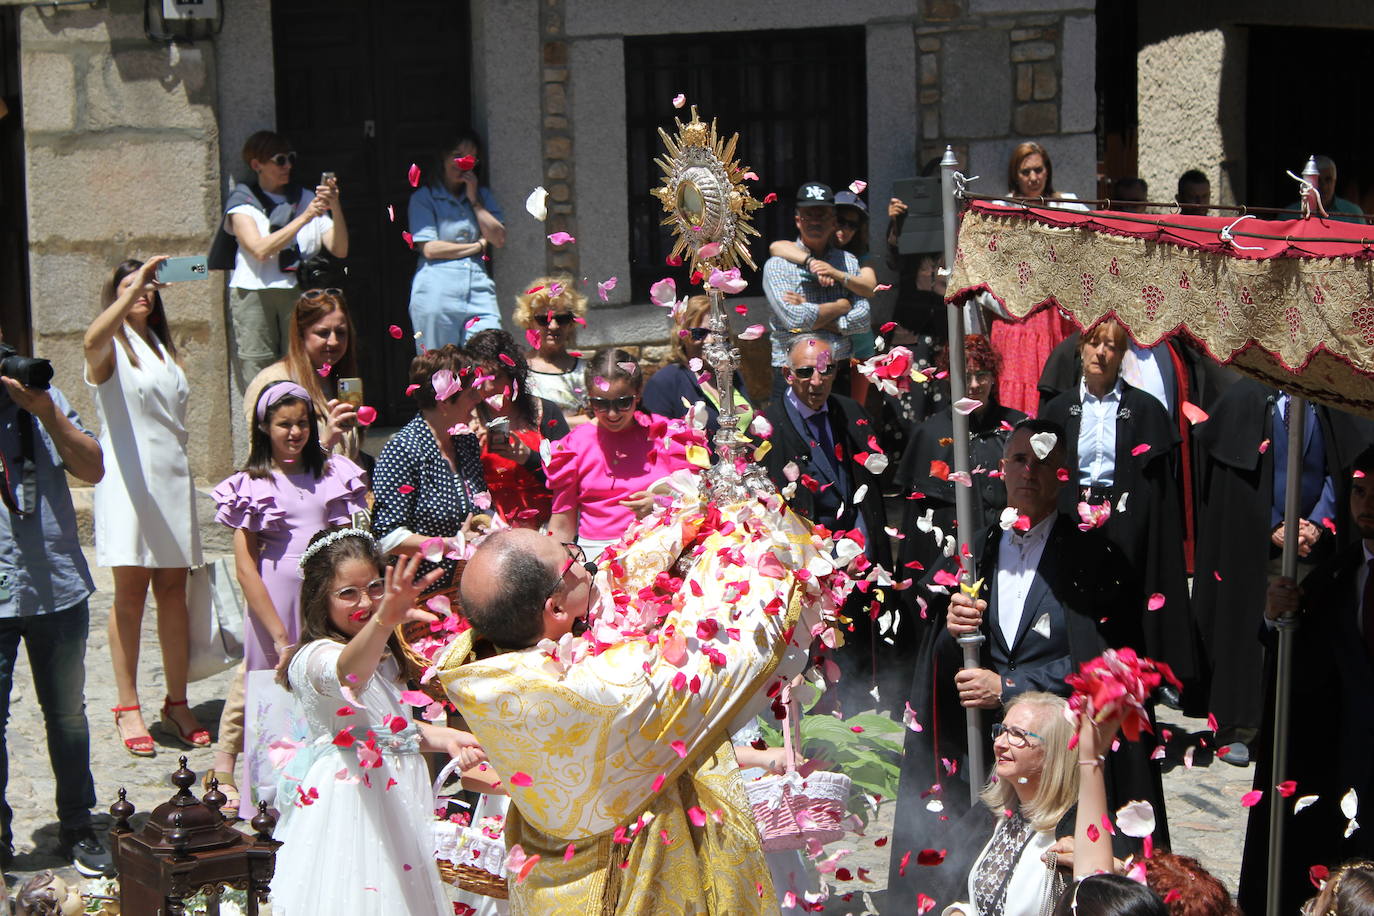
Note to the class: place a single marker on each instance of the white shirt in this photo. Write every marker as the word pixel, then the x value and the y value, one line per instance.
pixel 1097 436
pixel 1141 369
pixel 1017 559
pixel 249 272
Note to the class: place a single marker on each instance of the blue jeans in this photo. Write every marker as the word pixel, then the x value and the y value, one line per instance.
pixel 56 644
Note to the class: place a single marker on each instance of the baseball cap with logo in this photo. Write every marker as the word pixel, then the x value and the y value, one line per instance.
pixel 815 194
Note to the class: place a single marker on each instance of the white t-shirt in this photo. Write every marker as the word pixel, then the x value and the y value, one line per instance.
pixel 249 272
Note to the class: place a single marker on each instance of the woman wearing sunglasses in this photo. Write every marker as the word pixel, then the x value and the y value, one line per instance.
pixel 687 380
pixel 550 311
pixel 601 473
pixel 277 224
pixel 455 221
pixel 320 351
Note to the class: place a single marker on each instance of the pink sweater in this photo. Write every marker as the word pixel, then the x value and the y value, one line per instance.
pixel 592 469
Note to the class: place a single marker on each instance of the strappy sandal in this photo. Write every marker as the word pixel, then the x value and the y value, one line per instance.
pixel 230 810
pixel 196 737
pixel 141 746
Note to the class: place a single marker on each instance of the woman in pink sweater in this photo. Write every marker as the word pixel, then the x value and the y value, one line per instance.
pixel 601 472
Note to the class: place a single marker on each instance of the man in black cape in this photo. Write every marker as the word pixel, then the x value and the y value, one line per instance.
pixel 1075 602
pixel 1331 730
pixel 1244 447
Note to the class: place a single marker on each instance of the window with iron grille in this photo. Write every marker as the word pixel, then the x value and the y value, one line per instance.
pixel 797 98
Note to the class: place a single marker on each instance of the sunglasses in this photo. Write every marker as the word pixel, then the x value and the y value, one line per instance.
pixel 849 224
pixel 546 319
pixel 332 292
pixel 698 334
pixel 352 595
pixel 284 159
pixel 805 372
pixel 606 405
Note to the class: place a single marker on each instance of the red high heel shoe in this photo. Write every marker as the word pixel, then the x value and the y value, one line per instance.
pixel 141 746
pixel 197 737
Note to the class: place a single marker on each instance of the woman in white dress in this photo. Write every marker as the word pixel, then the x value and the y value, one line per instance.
pixel 145 505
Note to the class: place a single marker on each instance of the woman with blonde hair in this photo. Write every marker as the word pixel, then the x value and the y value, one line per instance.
pixel 548 311
pixel 145 505
pixel 321 350
pixel 1032 794
pixel 677 386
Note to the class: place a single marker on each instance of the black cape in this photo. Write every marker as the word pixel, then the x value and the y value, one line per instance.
pixel 1331 740
pixel 1086 575
pixel 1234 524
pixel 1149 533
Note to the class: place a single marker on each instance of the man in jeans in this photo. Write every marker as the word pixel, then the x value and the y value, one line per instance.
pixel 44 586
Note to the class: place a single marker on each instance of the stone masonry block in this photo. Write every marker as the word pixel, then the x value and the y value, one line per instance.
pixel 928 45
pixel 1037 118
pixel 977 84
pixel 557 147
pixel 555 53
pixel 1032 50
pixel 140 88
pixel 49 91
pixel 555 99
pixel 557 171
pixel 930 69
pixel 1025 82
pixel 555 74
pixel 560 191
pixel 555 122
pixel 119 20
pixel 1079 68
pixel 64 289
pixel 1046 80
pixel 941 10
pixel 97 188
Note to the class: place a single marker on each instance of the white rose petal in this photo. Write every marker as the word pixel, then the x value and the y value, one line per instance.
pixel 1043 443
pixel 1137 819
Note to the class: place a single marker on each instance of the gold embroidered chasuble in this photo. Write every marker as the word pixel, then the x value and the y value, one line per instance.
pixel 634 803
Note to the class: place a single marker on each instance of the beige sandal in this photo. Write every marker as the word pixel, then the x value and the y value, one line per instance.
pixel 226 786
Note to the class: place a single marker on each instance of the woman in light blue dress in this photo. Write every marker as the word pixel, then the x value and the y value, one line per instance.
pixel 454 222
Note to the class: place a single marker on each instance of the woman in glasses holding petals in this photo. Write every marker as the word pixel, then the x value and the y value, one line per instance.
pixel 602 472
pixel 688 379
pixel 277 224
pixel 549 311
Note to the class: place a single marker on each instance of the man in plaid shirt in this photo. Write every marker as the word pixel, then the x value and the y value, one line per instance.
pixel 803 303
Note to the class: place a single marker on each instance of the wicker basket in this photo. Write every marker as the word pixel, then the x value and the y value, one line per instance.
pixel 481 868
pixel 791 809
pixel 413 631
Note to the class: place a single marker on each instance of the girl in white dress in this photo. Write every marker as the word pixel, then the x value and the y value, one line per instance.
pixel 356 808
pixel 145 505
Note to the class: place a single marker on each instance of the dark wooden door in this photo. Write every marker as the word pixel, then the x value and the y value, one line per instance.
pixel 14 255
pixel 365 88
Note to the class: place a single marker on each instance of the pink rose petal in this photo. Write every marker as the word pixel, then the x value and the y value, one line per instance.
pixel 1156 602
pixel 561 238
pixel 413 175
pixel 679 100
pixel 367 415
pixel 753 332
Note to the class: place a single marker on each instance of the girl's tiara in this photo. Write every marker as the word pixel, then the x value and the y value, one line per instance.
pixel 331 538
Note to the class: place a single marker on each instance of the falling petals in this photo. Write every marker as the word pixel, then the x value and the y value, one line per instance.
pixel 408 239
pixel 727 281
pixel 909 719
pixel 1156 602
pixel 1137 819
pixel 413 175
pixel 367 415
pixel 1192 412
pixel 537 204
pixel 679 100
pixel 769 197
pixel 966 406
pixel 1251 798
pixel 395 331
pixel 1043 443
pixel 323 371
pixel 697 815
pixel 709 250
pixel 680 748
pixel 664 293
pixel 532 338
pixel 1304 802
pixel 521 779
pixel 1140 449
pixel 466 163
pixel 1287 787
pixel 603 289
pixel 858 185
pixel 561 238
pixel 753 332
pixel 518 863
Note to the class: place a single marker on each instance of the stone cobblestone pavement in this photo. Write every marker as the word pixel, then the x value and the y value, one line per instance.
pixel 1205 814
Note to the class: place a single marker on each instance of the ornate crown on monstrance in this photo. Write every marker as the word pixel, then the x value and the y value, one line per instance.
pixel 709 209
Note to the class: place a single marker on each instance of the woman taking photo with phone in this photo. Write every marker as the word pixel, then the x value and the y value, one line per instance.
pixel 145 505
pixel 454 221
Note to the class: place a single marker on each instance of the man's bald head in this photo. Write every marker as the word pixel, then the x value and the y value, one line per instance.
pixel 806 350
pixel 506 584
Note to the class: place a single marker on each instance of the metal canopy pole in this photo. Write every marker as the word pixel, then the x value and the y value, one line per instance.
pixel 963 496
pixel 1286 625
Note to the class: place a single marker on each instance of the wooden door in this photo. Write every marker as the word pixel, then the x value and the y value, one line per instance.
pixel 365 88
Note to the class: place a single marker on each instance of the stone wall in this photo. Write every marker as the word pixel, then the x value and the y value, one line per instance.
pixel 122 150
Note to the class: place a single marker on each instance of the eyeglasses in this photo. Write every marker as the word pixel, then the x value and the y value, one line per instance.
pixel 805 372
pixel 284 159
pixel 332 292
pixel 548 318
pixel 606 405
pixel 352 595
pixel 1016 737
pixel 576 557
pixel 698 334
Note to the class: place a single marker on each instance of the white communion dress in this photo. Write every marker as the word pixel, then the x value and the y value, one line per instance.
pixel 145 505
pixel 356 821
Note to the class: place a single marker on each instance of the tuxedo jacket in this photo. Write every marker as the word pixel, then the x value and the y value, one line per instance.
pixel 831 502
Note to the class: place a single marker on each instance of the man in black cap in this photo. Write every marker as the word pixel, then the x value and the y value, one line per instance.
pixel 803 302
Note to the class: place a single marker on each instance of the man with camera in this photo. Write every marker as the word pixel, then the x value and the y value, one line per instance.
pixel 44 586
pixel 281 229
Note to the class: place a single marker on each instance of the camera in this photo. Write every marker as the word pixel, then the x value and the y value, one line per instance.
pixel 26 370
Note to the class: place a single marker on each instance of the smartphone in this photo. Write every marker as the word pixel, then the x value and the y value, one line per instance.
pixel 351 390
pixel 327 177
pixel 175 270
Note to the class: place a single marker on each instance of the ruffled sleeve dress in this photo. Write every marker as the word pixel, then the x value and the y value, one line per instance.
pixel 355 821
pixel 285 511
